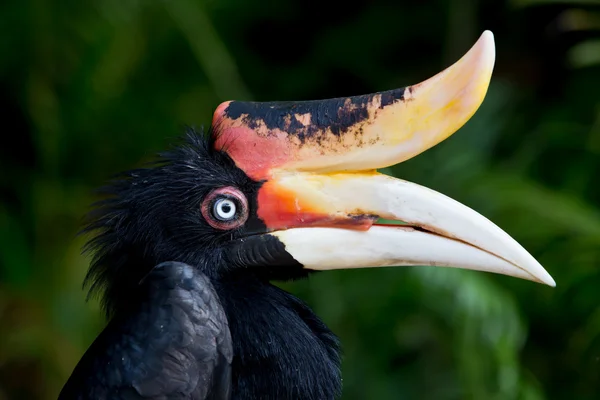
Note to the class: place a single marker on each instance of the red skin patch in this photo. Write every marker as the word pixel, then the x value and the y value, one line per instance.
pixel 267 153
pixel 281 209
pixel 254 154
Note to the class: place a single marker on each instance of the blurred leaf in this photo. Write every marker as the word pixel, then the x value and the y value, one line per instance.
pixel 208 49
pixel 585 54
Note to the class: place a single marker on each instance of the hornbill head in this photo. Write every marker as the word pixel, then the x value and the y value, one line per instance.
pixel 283 188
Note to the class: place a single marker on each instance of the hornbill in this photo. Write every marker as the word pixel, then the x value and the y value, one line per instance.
pixel 185 249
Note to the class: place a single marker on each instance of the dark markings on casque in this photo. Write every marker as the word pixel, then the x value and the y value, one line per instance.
pixel 338 114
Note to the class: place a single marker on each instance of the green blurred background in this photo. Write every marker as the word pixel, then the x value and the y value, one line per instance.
pixel 91 88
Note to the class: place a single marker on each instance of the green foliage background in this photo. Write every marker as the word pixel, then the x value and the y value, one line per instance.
pixel 91 88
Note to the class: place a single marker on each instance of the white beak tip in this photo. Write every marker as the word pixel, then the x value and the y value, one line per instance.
pixel 487 35
pixel 547 280
pixel 485 47
pixel 487 40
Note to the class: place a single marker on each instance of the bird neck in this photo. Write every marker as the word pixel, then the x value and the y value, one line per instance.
pixel 282 350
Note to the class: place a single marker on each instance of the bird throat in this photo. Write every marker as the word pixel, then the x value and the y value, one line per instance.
pixel 282 350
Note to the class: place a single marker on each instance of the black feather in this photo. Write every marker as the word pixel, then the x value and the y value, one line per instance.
pixel 175 345
pixel 152 215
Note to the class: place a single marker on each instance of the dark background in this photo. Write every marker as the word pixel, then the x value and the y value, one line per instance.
pixel 89 88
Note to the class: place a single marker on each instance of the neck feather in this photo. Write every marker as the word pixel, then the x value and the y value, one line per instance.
pixel 282 350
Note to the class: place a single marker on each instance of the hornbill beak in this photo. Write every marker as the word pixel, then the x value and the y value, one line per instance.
pixel 321 195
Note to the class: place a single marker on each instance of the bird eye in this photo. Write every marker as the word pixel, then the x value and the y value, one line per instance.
pixel 225 208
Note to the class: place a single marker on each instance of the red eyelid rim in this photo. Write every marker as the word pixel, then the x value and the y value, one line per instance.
pixel 228 191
